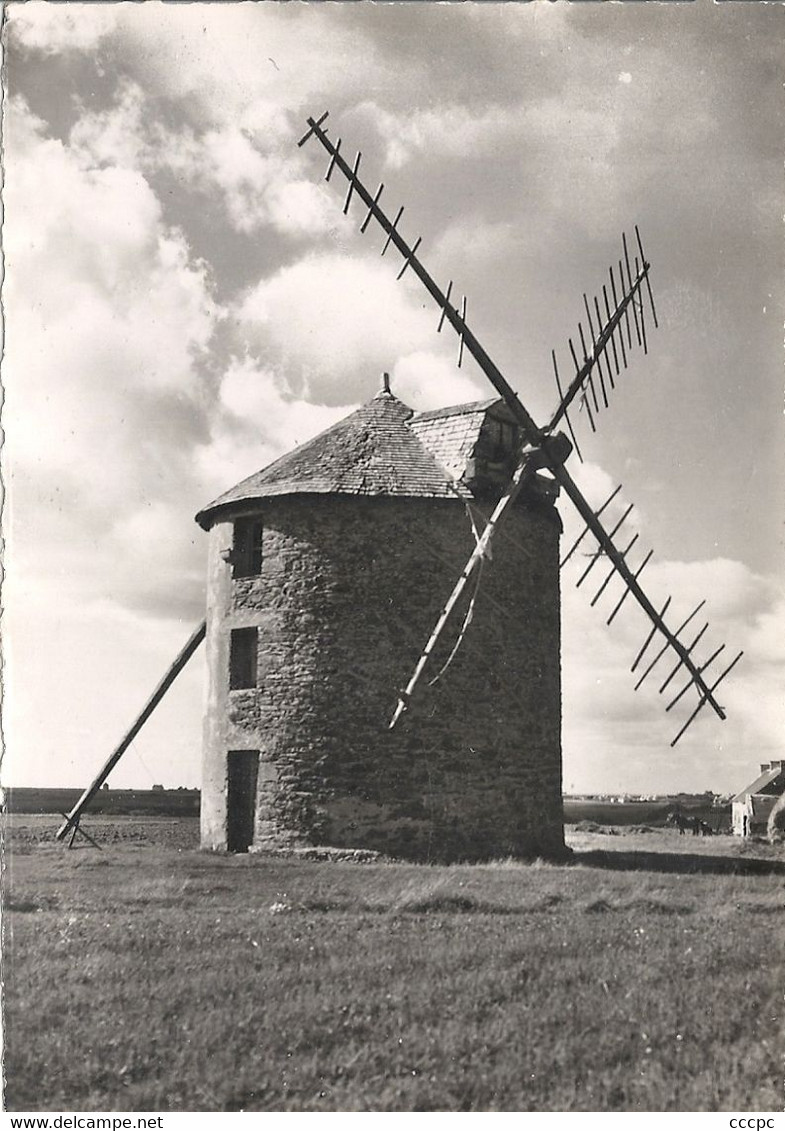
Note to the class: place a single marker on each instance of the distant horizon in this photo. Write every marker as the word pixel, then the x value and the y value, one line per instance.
pixel 197 789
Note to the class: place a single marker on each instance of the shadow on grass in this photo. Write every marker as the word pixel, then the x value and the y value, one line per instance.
pixel 685 862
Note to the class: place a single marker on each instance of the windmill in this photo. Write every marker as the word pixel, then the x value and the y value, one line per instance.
pixel 627 301
pixel 277 768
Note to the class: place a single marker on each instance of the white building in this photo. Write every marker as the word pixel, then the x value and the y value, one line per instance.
pixel 751 807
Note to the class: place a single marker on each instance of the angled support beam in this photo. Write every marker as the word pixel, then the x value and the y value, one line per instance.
pixel 77 828
pixel 72 818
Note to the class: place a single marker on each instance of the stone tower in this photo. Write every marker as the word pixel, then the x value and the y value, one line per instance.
pixel 326 573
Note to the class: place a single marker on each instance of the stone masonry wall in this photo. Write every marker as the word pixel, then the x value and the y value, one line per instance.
pixel 349 591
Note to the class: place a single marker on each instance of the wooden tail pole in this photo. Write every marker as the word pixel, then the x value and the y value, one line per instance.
pixel 76 828
pixel 72 818
pixel 478 553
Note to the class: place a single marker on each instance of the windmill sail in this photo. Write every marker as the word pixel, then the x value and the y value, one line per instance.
pixel 606 336
pixel 553 449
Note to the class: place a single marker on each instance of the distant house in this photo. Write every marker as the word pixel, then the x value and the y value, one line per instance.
pixel 751 807
pixel 158 788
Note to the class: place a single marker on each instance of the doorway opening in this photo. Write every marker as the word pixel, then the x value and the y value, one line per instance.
pixel 242 773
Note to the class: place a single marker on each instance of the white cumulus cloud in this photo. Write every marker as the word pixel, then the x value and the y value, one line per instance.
pixel 51 28
pixel 334 323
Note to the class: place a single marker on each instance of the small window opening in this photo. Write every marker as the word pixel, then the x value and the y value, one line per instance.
pixel 247 548
pixel 243 649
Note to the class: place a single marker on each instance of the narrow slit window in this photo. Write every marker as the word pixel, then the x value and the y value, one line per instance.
pixel 247 548
pixel 243 650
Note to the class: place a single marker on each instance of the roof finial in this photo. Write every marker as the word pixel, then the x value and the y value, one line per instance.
pixel 384 393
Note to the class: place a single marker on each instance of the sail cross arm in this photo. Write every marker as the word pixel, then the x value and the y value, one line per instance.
pixel 614 555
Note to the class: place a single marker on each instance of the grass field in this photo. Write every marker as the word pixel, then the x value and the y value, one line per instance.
pixel 136 802
pixel 646 975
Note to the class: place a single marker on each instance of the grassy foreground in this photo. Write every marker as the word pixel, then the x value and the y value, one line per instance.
pixel 645 976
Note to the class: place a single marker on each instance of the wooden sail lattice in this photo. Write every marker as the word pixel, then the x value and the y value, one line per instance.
pixel 605 353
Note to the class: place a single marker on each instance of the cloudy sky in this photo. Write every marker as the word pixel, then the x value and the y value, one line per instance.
pixel 185 301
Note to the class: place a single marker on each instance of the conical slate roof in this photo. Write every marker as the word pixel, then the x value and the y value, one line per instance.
pixel 370 452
